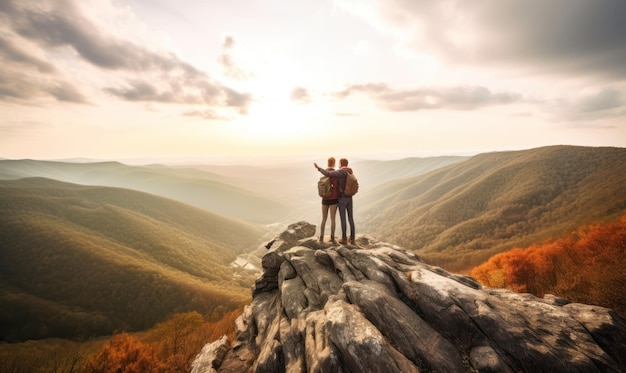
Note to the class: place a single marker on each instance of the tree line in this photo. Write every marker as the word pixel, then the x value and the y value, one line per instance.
pixel 168 347
pixel 588 266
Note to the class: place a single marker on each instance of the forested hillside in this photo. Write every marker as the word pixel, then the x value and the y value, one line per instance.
pixel 460 215
pixel 81 260
pixel 216 193
pixel 586 266
pixel 168 347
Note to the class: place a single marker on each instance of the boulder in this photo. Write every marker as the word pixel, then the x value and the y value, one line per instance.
pixel 374 307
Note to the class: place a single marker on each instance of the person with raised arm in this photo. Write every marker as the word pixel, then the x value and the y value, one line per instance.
pixel 329 204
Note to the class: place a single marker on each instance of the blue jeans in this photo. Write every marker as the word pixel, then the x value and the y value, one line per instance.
pixel 345 206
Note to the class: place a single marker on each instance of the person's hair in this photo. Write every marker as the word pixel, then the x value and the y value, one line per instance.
pixel 343 162
pixel 331 161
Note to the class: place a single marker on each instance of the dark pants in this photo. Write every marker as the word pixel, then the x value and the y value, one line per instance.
pixel 345 206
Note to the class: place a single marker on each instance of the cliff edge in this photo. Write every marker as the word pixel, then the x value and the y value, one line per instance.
pixel 374 307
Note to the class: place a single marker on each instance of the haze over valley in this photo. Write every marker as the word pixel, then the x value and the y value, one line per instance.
pixel 482 204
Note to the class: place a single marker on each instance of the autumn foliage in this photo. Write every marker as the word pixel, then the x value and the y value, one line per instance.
pixel 124 353
pixel 589 266
pixel 169 347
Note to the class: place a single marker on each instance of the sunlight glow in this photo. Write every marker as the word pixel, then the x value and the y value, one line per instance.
pixel 283 119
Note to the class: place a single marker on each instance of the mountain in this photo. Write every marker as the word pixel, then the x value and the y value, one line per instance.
pixel 460 215
pixel 270 194
pixel 193 186
pixel 295 184
pixel 373 173
pixel 454 211
pixel 375 307
pixel 87 260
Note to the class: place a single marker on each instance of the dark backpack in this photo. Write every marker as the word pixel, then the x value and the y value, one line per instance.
pixel 325 187
pixel 352 185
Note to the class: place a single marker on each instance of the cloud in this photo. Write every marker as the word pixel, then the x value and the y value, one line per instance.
pixel 589 106
pixel 182 90
pixel 27 78
pixel 432 98
pixel 140 74
pixel 228 42
pixel 300 95
pixel 60 24
pixel 65 91
pixel 13 53
pixel 206 114
pixel 230 68
pixel 562 36
pixel 236 99
pixel 606 99
pixel 370 88
pixel 139 90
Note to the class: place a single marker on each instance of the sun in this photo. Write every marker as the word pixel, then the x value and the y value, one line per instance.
pixel 281 119
pixel 287 105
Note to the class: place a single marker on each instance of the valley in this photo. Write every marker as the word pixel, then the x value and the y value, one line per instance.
pixel 87 260
pixel 90 249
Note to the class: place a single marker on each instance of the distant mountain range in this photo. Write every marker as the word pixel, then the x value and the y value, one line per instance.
pixel 455 211
pixel 459 215
pixel 87 260
pixel 265 195
pixel 213 192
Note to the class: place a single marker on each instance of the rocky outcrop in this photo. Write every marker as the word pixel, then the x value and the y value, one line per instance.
pixel 374 307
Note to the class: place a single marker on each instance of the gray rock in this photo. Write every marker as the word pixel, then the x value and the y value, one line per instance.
pixel 374 307
pixel 362 347
pixel 486 359
pixel 289 237
pixel 211 356
pixel 411 335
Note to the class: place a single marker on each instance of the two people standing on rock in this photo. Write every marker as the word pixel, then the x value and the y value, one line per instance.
pixel 344 202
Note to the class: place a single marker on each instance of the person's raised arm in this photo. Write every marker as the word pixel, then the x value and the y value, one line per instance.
pixel 336 173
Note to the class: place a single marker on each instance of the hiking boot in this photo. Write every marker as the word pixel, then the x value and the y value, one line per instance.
pixel 321 238
pixel 351 241
pixel 343 241
pixel 332 240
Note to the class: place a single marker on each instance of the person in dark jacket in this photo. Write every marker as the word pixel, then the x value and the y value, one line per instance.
pixel 330 204
pixel 345 202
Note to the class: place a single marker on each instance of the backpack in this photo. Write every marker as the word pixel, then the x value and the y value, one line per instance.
pixel 352 185
pixel 325 187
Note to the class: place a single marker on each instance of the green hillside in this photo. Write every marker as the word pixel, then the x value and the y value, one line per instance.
pixel 200 188
pixel 81 260
pixel 460 215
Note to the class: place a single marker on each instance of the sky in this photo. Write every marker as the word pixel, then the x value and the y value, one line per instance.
pixel 279 79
